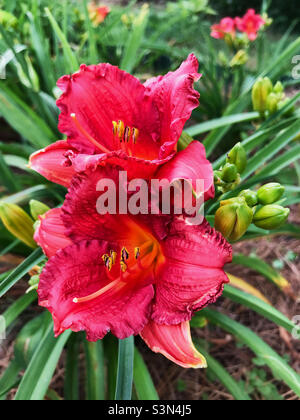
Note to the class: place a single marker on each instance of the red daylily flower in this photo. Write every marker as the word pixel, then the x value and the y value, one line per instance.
pixel 226 26
pixel 250 24
pixel 97 14
pixel 145 275
pixel 110 117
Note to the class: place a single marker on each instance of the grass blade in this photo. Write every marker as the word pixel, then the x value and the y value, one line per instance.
pixel 70 58
pixel 257 264
pixel 259 306
pixel 38 375
pixel 95 378
pixel 71 386
pixel 281 370
pixel 35 258
pixel 19 306
pixel 218 370
pixel 125 369
pixel 206 126
pixel 143 383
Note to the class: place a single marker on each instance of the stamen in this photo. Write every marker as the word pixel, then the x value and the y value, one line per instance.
pixel 86 134
pixel 127 134
pixel 120 131
pixel 124 254
pixel 135 135
pixel 115 128
pixel 123 266
pixel 99 292
pixel 137 253
pixel 113 255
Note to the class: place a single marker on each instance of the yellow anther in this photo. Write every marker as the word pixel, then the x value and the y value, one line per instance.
pixel 123 266
pixel 115 128
pixel 135 135
pixel 108 262
pixel 137 253
pixel 127 134
pixel 113 256
pixel 124 254
pixel 120 130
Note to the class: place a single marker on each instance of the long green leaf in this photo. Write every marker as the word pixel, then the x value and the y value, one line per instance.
pixel 95 378
pixel 125 369
pixel 70 58
pixel 214 367
pixel 35 258
pixel 143 383
pixel 9 379
pixel 71 386
pixel 257 264
pixel 272 148
pixel 19 306
pixel 38 375
pixel 259 306
pixel 229 120
pixel 23 119
pixel 135 39
pixel 277 364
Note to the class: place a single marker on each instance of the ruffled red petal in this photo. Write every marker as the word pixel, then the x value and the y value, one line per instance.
pixel 192 276
pixel 50 234
pixel 53 164
pixel 190 164
pixel 82 220
pixel 175 98
pixel 175 343
pixel 99 95
pixel 77 271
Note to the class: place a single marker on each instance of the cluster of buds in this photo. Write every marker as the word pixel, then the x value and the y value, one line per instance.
pixel 261 208
pixel 19 223
pixel 267 98
pixel 228 177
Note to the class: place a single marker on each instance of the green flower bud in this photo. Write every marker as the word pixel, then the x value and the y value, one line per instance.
pixel 260 92
pixel 18 223
pixel 37 209
pixel 233 218
pixel 272 103
pixel 250 197
pixel 240 58
pixel 278 88
pixel 271 217
pixel 238 157
pixel 270 193
pixel 229 173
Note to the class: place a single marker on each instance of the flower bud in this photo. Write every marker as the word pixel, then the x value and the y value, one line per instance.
pixel 271 217
pixel 272 103
pixel 238 157
pixel 250 197
pixel 229 173
pixel 260 92
pixel 240 58
pixel 18 223
pixel 278 88
pixel 270 193
pixel 233 218
pixel 37 209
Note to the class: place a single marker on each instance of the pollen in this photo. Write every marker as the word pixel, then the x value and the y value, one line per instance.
pixel 113 256
pixel 137 253
pixel 123 266
pixel 108 261
pixel 124 254
pixel 124 133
